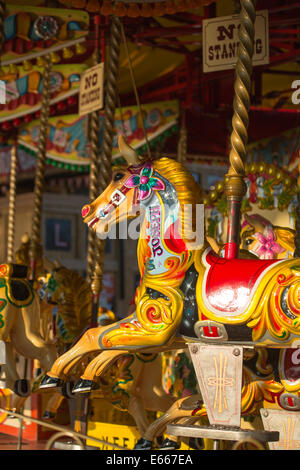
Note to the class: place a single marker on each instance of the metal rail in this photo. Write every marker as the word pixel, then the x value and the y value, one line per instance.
pixel 62 431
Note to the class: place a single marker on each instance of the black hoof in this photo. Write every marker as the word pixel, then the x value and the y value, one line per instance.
pixel 168 444
pixel 50 382
pixel 143 444
pixel 84 386
pixel 22 388
pixel 48 415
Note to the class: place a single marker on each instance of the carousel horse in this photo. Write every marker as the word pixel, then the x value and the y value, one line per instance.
pixel 265 240
pixel 20 325
pixel 186 292
pixel 134 382
pixel 273 384
pixel 261 239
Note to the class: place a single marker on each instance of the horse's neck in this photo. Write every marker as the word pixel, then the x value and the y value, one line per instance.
pixel 161 212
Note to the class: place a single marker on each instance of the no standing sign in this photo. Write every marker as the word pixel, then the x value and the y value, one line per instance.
pixel 91 90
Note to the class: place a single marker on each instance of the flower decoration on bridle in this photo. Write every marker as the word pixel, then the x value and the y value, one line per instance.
pixel 145 182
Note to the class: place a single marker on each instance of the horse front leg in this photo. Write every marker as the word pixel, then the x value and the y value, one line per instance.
pixel 137 410
pixel 98 366
pixel 88 343
pixel 11 374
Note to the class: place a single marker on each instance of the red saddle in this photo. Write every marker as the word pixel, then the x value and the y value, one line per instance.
pixel 229 284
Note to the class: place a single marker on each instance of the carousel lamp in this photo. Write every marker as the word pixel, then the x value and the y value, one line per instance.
pixel 28 118
pixel 159 9
pixel 67 53
pixel 133 10
pixel 61 106
pixel 146 10
pixel 107 8
pixel 17 122
pixel 93 6
pixel 40 61
pixel 13 69
pixel 27 65
pixel 6 126
pixel 78 3
pixel 55 58
pixel 170 7
pixel 71 100
pixel 80 48
pixel 120 9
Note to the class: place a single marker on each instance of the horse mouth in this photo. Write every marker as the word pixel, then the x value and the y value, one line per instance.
pixel 93 222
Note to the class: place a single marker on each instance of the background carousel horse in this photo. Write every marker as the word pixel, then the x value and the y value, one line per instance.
pixel 134 382
pixel 21 323
pixel 262 239
pixel 182 290
pixel 265 240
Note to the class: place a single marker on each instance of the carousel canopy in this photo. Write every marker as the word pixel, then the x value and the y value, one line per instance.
pixel 165 44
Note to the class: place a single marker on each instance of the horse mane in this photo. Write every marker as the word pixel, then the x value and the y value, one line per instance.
pixel 188 191
pixel 75 310
pixel 22 255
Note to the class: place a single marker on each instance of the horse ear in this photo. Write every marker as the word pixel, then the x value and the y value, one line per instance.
pixel 48 265
pixel 255 222
pixel 128 153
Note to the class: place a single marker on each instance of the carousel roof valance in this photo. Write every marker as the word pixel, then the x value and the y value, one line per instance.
pixel 31 32
pixel 136 8
pixel 23 90
pixel 68 146
pixel 281 150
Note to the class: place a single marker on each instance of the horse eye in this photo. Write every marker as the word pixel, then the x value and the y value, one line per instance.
pixel 118 176
pixel 249 241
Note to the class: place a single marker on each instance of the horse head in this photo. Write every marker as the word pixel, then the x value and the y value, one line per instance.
pixel 130 184
pixel 265 240
pixel 51 288
pixel 72 294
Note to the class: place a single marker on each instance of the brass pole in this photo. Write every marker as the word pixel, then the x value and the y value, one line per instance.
pixel 182 142
pixel 12 203
pixel 235 186
pixel 111 96
pixel 2 18
pixel 93 134
pixel 13 164
pixel 40 169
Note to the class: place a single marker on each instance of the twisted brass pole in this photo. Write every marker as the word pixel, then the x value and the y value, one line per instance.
pixel 182 144
pixel 40 169
pixel 13 164
pixel 235 186
pixel 2 18
pixel 111 97
pixel 12 203
pixel 93 133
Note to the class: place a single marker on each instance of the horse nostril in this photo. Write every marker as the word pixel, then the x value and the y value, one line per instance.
pixel 85 210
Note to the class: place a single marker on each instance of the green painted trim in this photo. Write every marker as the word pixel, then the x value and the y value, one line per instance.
pixel 73 166
pixel 4 284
